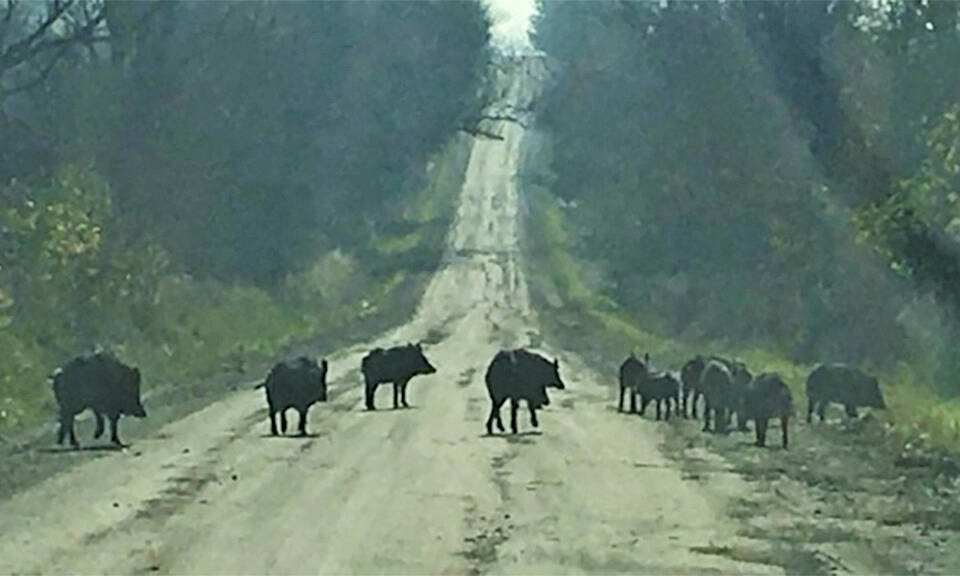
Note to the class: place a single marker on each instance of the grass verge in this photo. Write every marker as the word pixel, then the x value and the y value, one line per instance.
pixel 604 333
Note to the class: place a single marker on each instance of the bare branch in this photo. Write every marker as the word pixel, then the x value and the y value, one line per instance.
pixel 478 132
pixel 8 13
pixel 10 8
pixel 39 42
pixel 39 79
pixel 18 51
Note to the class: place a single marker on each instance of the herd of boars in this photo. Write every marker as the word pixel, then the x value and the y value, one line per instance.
pixel 102 383
pixel 729 389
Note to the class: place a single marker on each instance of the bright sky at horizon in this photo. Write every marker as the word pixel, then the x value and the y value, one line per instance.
pixel 511 21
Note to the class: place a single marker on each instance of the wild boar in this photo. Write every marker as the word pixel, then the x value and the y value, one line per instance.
pixel 690 375
pixel 102 383
pixel 297 384
pixel 768 397
pixel 718 392
pixel 397 365
pixel 519 375
pixel 844 385
pixel 660 387
pixel 633 372
pixel 741 380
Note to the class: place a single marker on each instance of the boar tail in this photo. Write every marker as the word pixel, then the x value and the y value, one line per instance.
pixel 260 385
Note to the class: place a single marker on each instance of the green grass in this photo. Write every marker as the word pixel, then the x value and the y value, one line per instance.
pixel 399 244
pixel 595 323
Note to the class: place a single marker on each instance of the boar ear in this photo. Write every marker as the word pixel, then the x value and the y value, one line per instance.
pixel 420 346
pixel 646 357
pixel 136 374
pixel 556 363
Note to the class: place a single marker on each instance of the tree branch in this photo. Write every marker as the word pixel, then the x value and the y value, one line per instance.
pixel 11 5
pixel 40 78
pixel 40 42
pixel 20 51
pixel 478 132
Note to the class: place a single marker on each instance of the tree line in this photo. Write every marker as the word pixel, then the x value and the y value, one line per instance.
pixel 782 174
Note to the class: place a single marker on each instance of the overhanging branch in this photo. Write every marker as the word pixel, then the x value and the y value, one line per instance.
pixel 43 44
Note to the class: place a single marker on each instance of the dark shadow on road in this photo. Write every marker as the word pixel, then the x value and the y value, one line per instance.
pixel 97 448
pixel 508 435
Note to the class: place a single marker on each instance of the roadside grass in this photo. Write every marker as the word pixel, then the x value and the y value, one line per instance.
pixel 595 326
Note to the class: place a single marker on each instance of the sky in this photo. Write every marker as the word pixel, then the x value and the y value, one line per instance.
pixel 511 21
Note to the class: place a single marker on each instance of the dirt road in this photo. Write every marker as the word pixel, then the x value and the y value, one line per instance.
pixel 407 491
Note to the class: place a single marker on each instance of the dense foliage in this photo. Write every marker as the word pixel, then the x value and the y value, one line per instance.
pixel 183 181
pixel 776 173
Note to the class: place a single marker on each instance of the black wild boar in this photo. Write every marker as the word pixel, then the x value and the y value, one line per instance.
pixel 719 393
pixel 633 372
pixel 844 385
pixel 296 384
pixel 660 387
pixel 519 375
pixel 397 365
pixel 741 381
pixel 690 375
pixel 768 397
pixel 103 384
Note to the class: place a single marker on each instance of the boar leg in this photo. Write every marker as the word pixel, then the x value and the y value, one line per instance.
pixel 114 428
pixel 369 389
pixel 66 429
pixel 822 409
pixel 761 426
pixel 494 415
pixel 273 421
pixel 706 414
pixel 73 437
pixel 61 431
pixel 693 409
pixel 620 404
pixel 668 408
pixel 643 403
pixel 99 417
pixel 396 394
pixel 403 393
pixel 720 420
pixel 302 427
pixel 810 406
pixel 851 410
pixel 533 416
pixel 514 404
pixel 741 422
pixel 657 401
pixel 633 400
pixel 783 430
pixel 283 420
